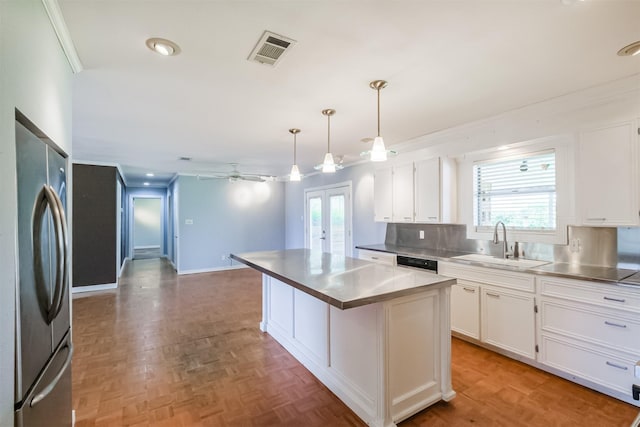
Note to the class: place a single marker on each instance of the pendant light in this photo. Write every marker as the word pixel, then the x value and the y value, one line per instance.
pixel 378 151
pixel 328 166
pixel 295 172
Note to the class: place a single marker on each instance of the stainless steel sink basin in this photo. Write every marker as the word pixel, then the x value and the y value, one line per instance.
pixel 488 259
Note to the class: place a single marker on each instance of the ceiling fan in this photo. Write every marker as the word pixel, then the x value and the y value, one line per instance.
pixel 236 175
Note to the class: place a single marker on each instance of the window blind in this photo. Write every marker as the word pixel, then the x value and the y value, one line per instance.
pixel 521 192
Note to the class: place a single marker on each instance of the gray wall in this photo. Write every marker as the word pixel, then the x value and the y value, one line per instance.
pixel 365 230
pixel 35 77
pixel 228 217
pixel 147 228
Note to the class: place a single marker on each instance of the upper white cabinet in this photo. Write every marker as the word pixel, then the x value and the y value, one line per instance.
pixel 435 190
pixel 608 175
pixel 382 195
pixel 402 183
pixel 424 191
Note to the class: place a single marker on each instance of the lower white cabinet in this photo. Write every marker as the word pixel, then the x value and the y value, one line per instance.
pixel 508 320
pixel 591 331
pixel 496 307
pixel 465 308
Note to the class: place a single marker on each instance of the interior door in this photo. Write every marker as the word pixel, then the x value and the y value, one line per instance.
pixel 328 220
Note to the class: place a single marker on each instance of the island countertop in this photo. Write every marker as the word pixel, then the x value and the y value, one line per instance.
pixel 341 281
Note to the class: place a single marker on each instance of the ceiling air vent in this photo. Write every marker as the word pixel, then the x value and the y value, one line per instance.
pixel 270 48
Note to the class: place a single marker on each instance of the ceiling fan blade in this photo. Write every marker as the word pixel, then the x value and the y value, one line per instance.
pixel 251 178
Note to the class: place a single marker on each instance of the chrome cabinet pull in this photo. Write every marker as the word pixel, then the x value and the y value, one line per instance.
pixel 374 257
pixel 596 219
pixel 614 299
pixel 473 291
pixel 407 217
pixel 615 365
pixel 617 325
pixel 432 217
pixel 493 295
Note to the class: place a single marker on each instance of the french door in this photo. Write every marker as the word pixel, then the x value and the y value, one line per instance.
pixel 328 219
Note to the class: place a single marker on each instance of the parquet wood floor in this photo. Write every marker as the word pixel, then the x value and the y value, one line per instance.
pixel 167 350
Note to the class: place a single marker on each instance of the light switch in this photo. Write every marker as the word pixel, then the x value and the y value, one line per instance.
pixel 188 221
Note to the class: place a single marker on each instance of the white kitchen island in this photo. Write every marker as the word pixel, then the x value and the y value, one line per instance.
pixel 377 336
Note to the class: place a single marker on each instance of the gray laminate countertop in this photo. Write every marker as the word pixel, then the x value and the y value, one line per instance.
pixel 341 281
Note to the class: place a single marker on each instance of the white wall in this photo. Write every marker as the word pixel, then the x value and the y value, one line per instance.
pixel 35 77
pixel 147 228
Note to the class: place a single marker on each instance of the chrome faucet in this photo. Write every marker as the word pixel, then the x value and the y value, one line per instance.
pixel 505 246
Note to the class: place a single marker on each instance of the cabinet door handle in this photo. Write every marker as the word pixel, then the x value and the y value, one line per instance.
pixel 407 217
pixel 615 365
pixel 618 325
pixel 614 299
pixel 596 219
pixel 490 294
pixel 374 257
pixel 432 217
pixel 386 217
pixel 473 291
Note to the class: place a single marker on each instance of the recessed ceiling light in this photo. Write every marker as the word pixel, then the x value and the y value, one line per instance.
pixel 146 184
pixel 163 46
pixel 149 174
pixel 632 50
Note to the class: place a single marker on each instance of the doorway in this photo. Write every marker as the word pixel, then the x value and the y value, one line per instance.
pixel 328 219
pixel 147 228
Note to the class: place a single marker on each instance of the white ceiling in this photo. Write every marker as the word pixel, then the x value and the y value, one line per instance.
pixel 447 63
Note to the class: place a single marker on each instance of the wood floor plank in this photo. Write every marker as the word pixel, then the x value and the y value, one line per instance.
pixel 186 351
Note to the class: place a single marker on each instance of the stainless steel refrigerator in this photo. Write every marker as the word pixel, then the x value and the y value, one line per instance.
pixel 43 340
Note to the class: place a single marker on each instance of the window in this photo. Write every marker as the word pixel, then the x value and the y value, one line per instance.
pixel 519 191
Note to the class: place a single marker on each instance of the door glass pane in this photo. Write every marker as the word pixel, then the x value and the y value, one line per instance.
pixel 315 223
pixel 336 225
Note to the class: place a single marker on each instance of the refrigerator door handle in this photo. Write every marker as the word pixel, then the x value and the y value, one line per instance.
pixel 62 261
pixel 49 388
pixel 46 198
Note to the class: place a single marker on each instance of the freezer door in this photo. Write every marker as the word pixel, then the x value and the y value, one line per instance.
pixel 58 181
pixel 49 402
pixel 33 330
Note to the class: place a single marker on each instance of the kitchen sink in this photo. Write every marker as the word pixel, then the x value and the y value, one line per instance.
pixel 512 262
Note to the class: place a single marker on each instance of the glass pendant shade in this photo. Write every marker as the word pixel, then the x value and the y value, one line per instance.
pixel 295 174
pixel 328 166
pixel 378 151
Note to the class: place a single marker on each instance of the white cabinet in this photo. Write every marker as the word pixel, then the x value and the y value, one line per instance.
pixel 590 331
pixel 424 191
pixel 508 320
pixel 402 194
pixel 607 177
pixel 376 256
pixel 383 195
pixel 465 308
pixel 435 190
pixel 495 307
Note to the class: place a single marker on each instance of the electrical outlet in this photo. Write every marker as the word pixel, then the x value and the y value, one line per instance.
pixel 421 234
pixel 574 245
pixel 188 221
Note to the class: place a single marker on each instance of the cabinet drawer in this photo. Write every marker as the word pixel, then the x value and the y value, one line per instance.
pixel 607 369
pixel 376 256
pixel 602 294
pixel 605 327
pixel 508 279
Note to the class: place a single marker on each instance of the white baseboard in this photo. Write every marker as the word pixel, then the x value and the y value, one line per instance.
pixel 126 259
pixel 170 262
pixel 93 288
pixel 147 247
pixel 209 270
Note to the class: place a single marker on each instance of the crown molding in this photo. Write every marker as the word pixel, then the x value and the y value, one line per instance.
pixel 62 32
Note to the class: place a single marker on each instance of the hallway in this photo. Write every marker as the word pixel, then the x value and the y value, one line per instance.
pixel 168 350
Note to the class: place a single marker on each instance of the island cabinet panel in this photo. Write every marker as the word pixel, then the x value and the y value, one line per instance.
pixel 413 375
pixel 354 352
pixel 310 320
pixel 386 360
pixel 280 307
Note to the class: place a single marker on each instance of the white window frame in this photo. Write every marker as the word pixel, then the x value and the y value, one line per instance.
pixel 563 146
